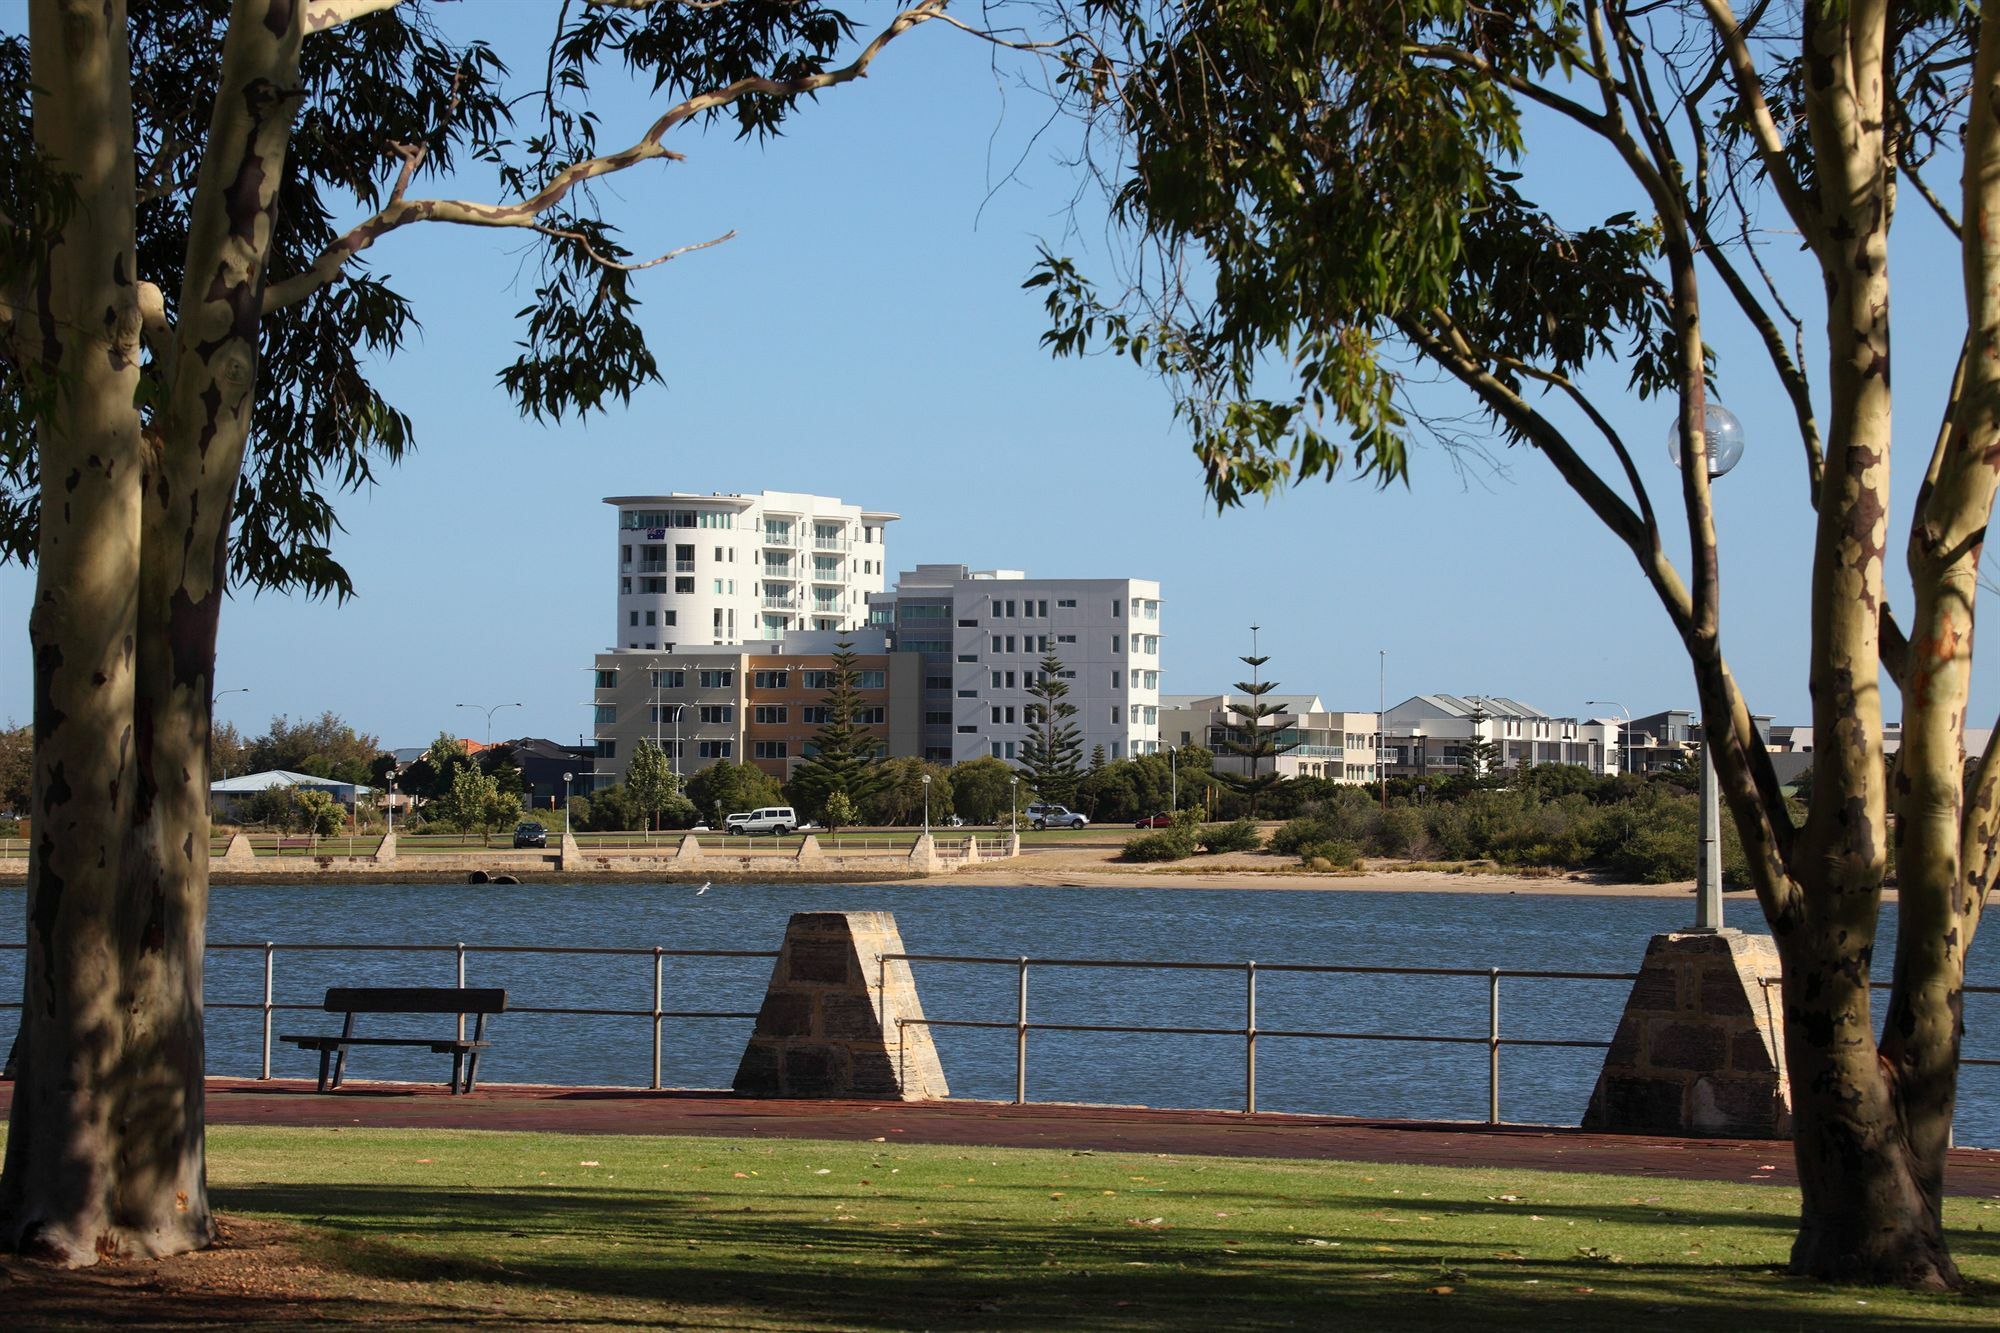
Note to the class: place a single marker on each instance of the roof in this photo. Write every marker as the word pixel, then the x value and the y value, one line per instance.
pixel 1452 705
pixel 277 777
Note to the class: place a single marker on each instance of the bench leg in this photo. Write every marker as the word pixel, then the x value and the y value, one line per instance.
pixel 472 1071
pixel 457 1061
pixel 325 1059
pixel 339 1066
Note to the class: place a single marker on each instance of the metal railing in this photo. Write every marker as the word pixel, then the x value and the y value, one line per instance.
pixel 269 1006
pixel 1249 1033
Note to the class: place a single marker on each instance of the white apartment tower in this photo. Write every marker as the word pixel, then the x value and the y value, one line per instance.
pixel 983 635
pixel 728 569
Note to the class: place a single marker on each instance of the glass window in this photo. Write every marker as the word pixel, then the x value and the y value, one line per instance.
pixel 713 714
pixel 684 585
pixel 1114 608
pixel 666 680
pixel 816 680
pixel 713 679
pixel 770 714
pixel 607 680
pixel 772 680
pixel 869 717
pixel 715 749
pixel 769 749
pixel 871 680
pixel 607 713
pixel 815 715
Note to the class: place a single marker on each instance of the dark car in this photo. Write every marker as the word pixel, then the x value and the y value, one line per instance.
pixel 1154 821
pixel 530 834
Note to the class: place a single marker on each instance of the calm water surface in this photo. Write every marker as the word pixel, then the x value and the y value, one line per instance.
pixel 1530 931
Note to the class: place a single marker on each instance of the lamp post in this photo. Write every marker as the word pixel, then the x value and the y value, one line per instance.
pixel 1720 443
pixel 927 805
pixel 240 689
pixel 1014 803
pixel 1624 731
pixel 1173 779
pixel 482 708
pixel 566 781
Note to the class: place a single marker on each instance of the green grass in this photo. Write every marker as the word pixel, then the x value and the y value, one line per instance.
pixel 755 1234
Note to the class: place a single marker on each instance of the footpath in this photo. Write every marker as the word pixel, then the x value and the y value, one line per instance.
pixel 1971 1171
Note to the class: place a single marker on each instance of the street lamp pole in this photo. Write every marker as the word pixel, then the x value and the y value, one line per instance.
pixel 566 781
pixel 1708 431
pixel 1173 778
pixel 1624 730
pixel 1014 803
pixel 927 805
pixel 482 708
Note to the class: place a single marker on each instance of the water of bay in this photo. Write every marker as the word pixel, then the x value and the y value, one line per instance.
pixel 1510 931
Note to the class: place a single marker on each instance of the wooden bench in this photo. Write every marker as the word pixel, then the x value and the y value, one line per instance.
pixel 352 1000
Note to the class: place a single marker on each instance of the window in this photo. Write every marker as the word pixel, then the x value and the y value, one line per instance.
pixel 1043 612
pixel 666 680
pixel 632 619
pixel 771 714
pixel 712 679
pixel 718 586
pixel 652 618
pixel 816 680
pixel 1152 645
pixel 816 715
pixel 871 680
pixel 684 585
pixel 1010 611
pixel 1065 638
pixel 997 641
pixel 937 719
pixel 1010 643
pixel 870 717
pixel 937 682
pixel 607 680
pixel 1151 714
pixel 1010 712
pixel 1114 715
pixel 1114 608
pixel 768 749
pixel 926 646
pixel 968 731
pixel 968 624
pixel 718 555
pixel 715 749
pixel 1010 749
pixel 712 714
pixel 910 612
pixel 1135 714
pixel 996 749
pixel 1010 680
pixel 1114 680
pixel 996 713
pixel 1152 679
pixel 651 646
pixel 668 713
pixel 624 555
pixel 607 749
pixel 607 713
pixel 657 588
pixel 968 694
pixel 1042 641
pixel 1114 749
pixel 1114 643
pixel 625 585
pixel 772 680
pixel 968 657
pixel 1066 603
pixel 996 680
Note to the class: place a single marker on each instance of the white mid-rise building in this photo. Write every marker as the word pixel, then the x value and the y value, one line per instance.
pixel 1342 747
pixel 983 635
pixel 728 569
pixel 1427 734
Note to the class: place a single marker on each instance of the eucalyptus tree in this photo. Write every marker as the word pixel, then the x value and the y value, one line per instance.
pixel 1330 204
pixel 189 190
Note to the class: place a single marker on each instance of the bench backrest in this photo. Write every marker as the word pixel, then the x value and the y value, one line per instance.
pixel 415 1000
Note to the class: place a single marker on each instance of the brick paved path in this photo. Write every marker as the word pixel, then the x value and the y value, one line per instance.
pixel 1104 1128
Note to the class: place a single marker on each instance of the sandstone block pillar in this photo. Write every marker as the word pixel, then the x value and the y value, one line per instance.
pixel 239 851
pixel 690 848
pixel 385 851
pixel 1700 1048
pixel 924 857
pixel 828 1025
pixel 810 852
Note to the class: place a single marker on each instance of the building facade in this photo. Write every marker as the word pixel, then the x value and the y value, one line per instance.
pixel 982 635
pixel 1341 747
pixel 749 703
pixel 729 569
pixel 1427 735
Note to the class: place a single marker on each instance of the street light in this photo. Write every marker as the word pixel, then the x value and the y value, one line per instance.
pixel 566 781
pixel 482 708
pixel 1624 731
pixel 1014 803
pixel 927 805
pixel 1722 444
pixel 1173 779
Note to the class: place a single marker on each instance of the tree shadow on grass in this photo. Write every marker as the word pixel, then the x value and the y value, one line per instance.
pixel 793 1260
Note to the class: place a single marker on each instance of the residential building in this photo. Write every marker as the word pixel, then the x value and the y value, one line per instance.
pixel 729 569
pixel 227 797
pixel 982 636
pixel 756 703
pixel 1427 734
pixel 542 764
pixel 1334 745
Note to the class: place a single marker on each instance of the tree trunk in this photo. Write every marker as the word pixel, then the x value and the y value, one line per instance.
pixel 104 1149
pixel 1870 1165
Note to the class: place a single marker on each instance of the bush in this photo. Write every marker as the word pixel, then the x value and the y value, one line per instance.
pixel 1237 836
pixel 1291 839
pixel 1333 854
pixel 1174 844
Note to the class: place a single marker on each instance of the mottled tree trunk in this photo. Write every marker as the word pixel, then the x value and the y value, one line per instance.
pixel 105 1150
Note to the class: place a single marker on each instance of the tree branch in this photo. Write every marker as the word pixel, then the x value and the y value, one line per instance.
pixel 325 15
pixel 605 261
pixel 1763 128
pixel 525 213
pixel 1534 92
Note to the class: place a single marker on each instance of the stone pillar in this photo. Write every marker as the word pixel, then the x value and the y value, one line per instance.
pixel 924 857
pixel 810 852
pixel 385 850
pixel 1700 1049
pixel 239 852
pixel 569 855
pixel 690 848
pixel 828 1026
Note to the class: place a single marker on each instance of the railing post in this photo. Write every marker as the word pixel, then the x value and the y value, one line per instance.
pixel 1493 1046
pixel 1021 1041
pixel 461 986
pixel 1250 1038
pixel 270 955
pixel 659 977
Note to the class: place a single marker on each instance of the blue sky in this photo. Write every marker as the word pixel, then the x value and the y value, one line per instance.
pixel 865 335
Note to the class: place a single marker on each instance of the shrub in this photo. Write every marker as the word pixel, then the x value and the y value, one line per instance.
pixel 1333 854
pixel 1174 844
pixel 1299 833
pixel 1237 836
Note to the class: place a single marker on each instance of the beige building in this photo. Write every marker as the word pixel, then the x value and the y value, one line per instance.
pixel 1326 744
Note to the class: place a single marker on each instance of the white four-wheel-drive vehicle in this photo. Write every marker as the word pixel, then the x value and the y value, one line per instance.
pixel 1046 815
pixel 771 819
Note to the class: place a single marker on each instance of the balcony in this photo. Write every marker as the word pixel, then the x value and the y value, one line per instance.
pixel 823 575
pixel 785 572
pixel 780 603
pixel 785 538
pixel 832 544
pixel 654 567
pixel 683 566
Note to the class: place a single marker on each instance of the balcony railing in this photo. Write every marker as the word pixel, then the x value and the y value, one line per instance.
pixel 773 537
pixel 821 574
pixel 785 572
pixel 832 544
pixel 654 567
pixel 781 603
pixel 683 566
